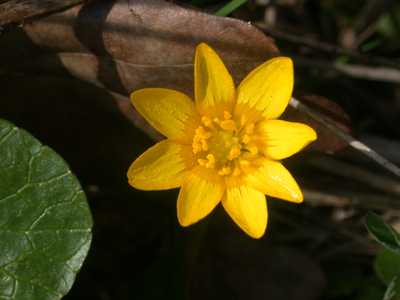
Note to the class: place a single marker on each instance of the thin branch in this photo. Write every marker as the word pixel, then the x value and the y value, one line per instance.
pixel 348 198
pixel 325 47
pixel 373 73
pixel 346 170
pixel 352 142
pixel 382 74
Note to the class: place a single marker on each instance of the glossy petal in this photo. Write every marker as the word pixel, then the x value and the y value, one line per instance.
pixel 197 198
pixel 268 88
pixel 161 167
pixel 273 179
pixel 213 83
pixel 166 110
pixel 283 139
pixel 248 209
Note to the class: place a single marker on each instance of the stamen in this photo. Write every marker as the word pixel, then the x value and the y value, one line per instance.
pixel 210 161
pixel 244 163
pixel 207 121
pixel 229 125
pixel 227 115
pixel 196 148
pixel 204 145
pixel 243 120
pixel 253 149
pixel 236 171
pixel 249 128
pixel 199 130
pixel 234 153
pixel 245 139
pixel 202 133
pixel 202 162
pixel 225 144
pixel 224 171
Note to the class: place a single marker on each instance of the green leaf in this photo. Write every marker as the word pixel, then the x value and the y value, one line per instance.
pixel 387 265
pixel 383 232
pixel 371 45
pixel 370 289
pixel 45 222
pixel 392 291
pixel 227 9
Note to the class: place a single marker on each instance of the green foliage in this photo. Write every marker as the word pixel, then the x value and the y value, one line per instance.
pixel 387 262
pixel 371 45
pixel 387 265
pixel 371 289
pixel 388 24
pixel 392 292
pixel 230 7
pixel 383 232
pixel 45 222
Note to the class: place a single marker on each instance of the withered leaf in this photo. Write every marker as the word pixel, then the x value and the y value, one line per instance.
pixel 124 45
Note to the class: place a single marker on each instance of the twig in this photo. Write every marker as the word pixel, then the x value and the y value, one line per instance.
pixel 352 142
pixel 325 47
pixel 382 74
pixel 373 73
pixel 18 10
pixel 386 147
pixel 347 170
pixel 321 224
pixel 371 12
pixel 348 198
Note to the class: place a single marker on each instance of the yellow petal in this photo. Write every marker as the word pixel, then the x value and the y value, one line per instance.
pixel 283 139
pixel 248 209
pixel 213 84
pixel 161 167
pixel 168 111
pixel 273 179
pixel 197 198
pixel 268 88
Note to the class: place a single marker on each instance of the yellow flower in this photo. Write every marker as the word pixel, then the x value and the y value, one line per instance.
pixel 224 147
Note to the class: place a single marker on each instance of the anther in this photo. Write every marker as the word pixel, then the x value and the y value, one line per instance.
pixel 244 163
pixel 243 120
pixel 245 139
pixel 204 145
pixel 210 161
pixel 202 162
pixel 227 115
pixel 196 149
pixel 224 171
pixel 234 153
pixel 229 125
pixel 236 171
pixel 201 133
pixel 253 150
pixel 199 130
pixel 206 121
pixel 249 128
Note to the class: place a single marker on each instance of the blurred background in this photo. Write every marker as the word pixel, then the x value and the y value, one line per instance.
pixel 347 68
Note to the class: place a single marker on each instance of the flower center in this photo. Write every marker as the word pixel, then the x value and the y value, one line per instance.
pixel 226 145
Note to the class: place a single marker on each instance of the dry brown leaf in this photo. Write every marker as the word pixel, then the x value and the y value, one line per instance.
pixel 124 45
